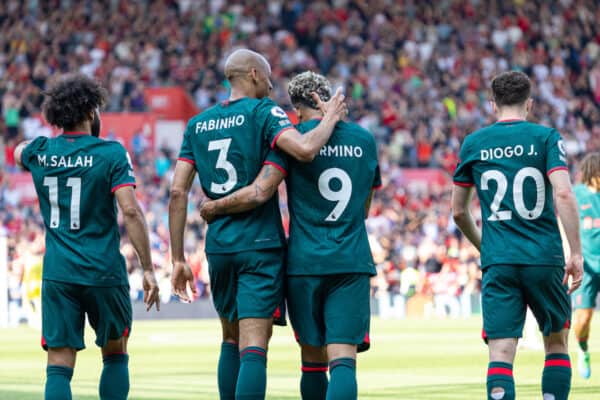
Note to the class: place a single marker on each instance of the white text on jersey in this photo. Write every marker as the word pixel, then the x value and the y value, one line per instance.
pixel 65 162
pixel 341 151
pixel 221 123
pixel 506 152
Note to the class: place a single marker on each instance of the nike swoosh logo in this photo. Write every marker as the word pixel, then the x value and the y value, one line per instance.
pixel 586 206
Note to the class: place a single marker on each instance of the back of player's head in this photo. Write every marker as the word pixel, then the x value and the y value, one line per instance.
pixel 241 61
pixel 511 88
pixel 590 168
pixel 303 85
pixel 72 100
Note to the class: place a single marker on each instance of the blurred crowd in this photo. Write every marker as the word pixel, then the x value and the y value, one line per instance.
pixel 416 74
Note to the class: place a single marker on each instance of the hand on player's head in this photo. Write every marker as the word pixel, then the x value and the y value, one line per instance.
pixel 182 276
pixel 207 211
pixel 574 269
pixel 335 108
pixel 151 291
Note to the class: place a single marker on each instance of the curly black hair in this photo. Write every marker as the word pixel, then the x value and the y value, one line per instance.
pixel 303 85
pixel 511 88
pixel 72 100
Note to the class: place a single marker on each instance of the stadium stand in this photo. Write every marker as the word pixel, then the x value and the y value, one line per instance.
pixel 416 75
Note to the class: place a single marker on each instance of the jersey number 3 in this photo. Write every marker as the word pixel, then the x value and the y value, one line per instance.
pixel 75 185
pixel 222 146
pixel 342 196
pixel 518 197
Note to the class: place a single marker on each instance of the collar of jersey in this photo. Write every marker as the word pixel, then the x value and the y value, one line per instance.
pixel 76 134
pixel 510 121
pixel 227 102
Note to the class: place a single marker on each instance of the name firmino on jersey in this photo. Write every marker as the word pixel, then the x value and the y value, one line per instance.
pixel 341 151
pixel 65 162
pixel 506 152
pixel 220 123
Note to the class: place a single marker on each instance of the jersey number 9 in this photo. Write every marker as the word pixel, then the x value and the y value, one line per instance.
pixel 342 196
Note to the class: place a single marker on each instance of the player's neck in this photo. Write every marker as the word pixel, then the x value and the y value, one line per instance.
pixel 240 90
pixel 511 113
pixel 79 129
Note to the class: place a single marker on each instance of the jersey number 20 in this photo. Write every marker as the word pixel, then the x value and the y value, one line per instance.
pixel 75 185
pixel 518 198
pixel 342 196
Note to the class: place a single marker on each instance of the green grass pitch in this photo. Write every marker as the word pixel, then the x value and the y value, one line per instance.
pixel 176 360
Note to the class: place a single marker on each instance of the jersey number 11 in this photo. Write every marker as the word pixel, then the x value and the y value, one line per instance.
pixel 75 185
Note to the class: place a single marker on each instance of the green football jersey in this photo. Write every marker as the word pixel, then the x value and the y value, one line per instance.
pixel 589 215
pixel 228 145
pixel 326 200
pixel 509 163
pixel 75 176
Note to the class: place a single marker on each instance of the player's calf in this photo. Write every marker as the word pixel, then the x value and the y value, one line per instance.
pixel 313 384
pixel 342 371
pixel 254 338
pixel 59 372
pixel 500 381
pixel 556 378
pixel 114 381
pixel 229 360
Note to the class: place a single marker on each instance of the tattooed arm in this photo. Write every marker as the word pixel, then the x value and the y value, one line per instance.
pixel 262 189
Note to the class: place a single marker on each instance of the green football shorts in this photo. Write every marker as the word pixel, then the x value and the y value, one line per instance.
pixel 506 292
pixel 64 306
pixel 248 284
pixel 329 309
pixel 585 296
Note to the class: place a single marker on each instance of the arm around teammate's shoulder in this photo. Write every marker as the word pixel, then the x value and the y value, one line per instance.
pixel 137 231
pixel 306 147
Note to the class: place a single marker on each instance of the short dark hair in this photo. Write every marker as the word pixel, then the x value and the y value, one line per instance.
pixel 71 100
pixel 590 168
pixel 511 88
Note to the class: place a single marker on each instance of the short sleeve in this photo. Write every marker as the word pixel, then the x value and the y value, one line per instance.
pixel 271 121
pixel 277 160
pixel 556 154
pixel 377 184
pixel 29 152
pixel 463 175
pixel 122 170
pixel 186 154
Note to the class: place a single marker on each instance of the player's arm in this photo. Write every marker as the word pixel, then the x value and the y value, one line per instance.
pixel 247 198
pixel 566 205
pixel 461 198
pixel 368 203
pixel 19 152
pixel 137 230
pixel 178 202
pixel 305 147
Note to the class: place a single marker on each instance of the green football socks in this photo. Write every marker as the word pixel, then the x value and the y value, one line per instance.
pixel 58 383
pixel 114 381
pixel 227 373
pixel 556 379
pixel 252 379
pixel 342 384
pixel 313 384
pixel 500 381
